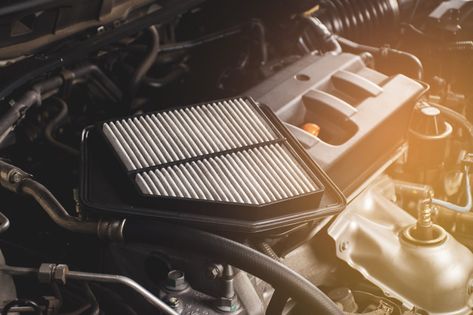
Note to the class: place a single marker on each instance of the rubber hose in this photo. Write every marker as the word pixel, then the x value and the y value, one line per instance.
pixel 54 209
pixel 235 254
pixel 149 60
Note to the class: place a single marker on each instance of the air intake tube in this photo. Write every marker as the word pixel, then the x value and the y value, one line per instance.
pixel 358 20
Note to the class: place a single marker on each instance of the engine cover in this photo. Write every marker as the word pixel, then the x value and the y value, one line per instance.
pixel 363 115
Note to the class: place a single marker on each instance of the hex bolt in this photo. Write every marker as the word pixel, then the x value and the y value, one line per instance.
pixel 176 281
pixel 45 273
pixel 215 271
pixel 228 301
pixel 228 304
pixel 60 273
pixel 48 273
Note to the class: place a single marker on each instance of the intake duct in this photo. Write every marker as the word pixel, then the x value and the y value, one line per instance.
pixel 359 20
pixel 229 163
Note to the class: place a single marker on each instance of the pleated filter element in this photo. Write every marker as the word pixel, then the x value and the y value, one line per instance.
pixel 226 151
pixel 256 176
pixel 165 137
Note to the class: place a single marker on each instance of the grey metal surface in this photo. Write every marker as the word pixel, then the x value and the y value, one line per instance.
pixel 437 278
pixel 160 138
pixel 48 273
pixel 7 286
pixel 96 277
pixel 255 176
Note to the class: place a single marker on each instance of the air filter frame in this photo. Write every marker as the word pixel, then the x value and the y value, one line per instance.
pixel 128 200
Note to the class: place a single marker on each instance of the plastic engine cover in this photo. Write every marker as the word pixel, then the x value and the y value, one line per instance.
pixel 363 115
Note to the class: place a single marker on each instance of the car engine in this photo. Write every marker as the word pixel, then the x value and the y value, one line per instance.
pixel 204 157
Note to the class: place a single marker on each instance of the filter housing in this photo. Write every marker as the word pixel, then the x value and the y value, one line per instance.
pixel 229 164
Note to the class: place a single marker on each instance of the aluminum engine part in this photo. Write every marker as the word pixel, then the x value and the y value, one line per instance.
pixel 437 279
pixel 7 286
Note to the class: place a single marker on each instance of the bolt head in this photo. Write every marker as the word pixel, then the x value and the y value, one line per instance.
pixel 214 271
pixel 176 281
pixel 45 273
pixel 225 304
pixel 60 273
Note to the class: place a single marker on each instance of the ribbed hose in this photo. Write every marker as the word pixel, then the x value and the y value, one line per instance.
pixel 357 19
pixel 235 254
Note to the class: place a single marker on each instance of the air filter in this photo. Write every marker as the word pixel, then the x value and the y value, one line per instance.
pixel 226 160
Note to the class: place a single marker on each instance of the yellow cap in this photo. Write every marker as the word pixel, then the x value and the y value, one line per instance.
pixel 312 128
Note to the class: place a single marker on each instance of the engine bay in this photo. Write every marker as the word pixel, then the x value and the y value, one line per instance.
pixel 236 157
